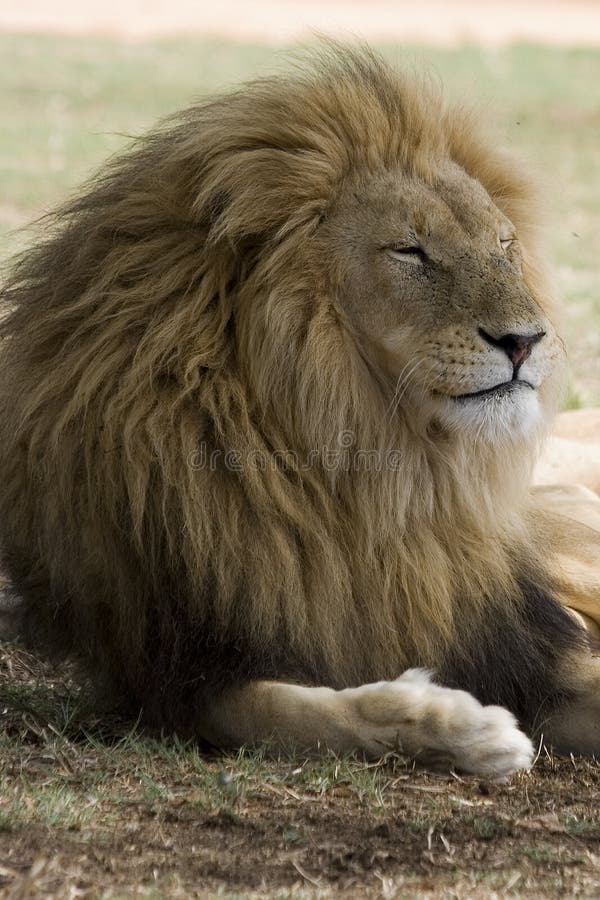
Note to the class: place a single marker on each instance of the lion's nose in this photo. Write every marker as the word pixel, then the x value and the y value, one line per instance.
pixel 516 346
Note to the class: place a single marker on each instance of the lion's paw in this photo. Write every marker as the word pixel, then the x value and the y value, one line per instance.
pixel 430 722
pixel 489 742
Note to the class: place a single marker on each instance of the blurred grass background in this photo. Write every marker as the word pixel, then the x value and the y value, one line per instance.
pixel 68 103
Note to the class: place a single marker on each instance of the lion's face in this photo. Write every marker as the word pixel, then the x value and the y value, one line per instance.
pixel 434 284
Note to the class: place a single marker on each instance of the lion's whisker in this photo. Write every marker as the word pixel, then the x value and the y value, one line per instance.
pixel 399 382
pixel 401 389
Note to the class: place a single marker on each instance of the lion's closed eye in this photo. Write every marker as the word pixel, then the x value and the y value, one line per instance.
pixel 411 255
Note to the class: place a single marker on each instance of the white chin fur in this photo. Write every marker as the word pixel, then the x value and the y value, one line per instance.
pixel 494 419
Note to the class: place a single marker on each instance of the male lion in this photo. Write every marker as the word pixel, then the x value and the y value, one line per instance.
pixel 270 397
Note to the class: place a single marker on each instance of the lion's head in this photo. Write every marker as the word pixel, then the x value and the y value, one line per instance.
pixel 432 280
pixel 270 390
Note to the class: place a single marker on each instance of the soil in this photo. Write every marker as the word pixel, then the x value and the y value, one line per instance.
pixel 144 819
pixel 276 840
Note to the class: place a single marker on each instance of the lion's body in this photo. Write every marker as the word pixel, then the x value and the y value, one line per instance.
pixel 184 400
pixel 572 455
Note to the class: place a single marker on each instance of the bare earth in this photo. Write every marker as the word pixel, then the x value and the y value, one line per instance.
pixel 433 21
pixel 98 817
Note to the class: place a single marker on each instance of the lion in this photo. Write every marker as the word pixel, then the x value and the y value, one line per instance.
pixel 272 388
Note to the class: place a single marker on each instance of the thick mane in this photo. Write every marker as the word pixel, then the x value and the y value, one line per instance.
pixel 172 356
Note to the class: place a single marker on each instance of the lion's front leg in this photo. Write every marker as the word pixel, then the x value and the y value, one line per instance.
pixel 411 715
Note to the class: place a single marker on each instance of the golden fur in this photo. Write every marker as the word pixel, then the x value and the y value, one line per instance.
pixel 176 349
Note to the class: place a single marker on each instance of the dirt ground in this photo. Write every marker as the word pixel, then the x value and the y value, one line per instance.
pixel 433 21
pixel 87 811
pixel 275 841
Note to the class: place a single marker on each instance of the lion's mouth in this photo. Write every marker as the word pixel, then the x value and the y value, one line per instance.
pixel 503 389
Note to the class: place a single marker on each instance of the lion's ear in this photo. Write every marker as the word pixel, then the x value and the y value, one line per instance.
pixel 250 196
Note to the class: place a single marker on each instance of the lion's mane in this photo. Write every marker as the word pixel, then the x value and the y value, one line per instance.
pixel 172 353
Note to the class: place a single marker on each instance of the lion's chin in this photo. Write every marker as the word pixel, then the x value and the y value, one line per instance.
pixel 495 415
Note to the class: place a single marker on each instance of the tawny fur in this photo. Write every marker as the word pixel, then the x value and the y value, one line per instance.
pixel 186 303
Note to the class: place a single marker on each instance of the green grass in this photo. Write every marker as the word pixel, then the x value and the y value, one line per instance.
pixel 70 103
